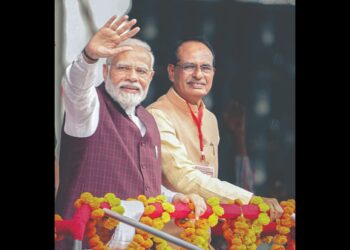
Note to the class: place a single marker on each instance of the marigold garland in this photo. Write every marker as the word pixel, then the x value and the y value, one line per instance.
pixel 240 233
pixel 99 228
pixel 284 225
pixel 144 240
pixel 197 232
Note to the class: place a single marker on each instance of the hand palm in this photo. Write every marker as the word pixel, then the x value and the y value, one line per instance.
pixel 107 39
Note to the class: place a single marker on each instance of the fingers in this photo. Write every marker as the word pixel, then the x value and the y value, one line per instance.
pixel 199 204
pixel 276 210
pixel 130 33
pixel 122 33
pixel 184 199
pixel 180 197
pixel 126 26
pixel 119 22
pixel 110 21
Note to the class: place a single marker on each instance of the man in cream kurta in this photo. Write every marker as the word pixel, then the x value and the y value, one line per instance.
pixel 189 132
pixel 181 157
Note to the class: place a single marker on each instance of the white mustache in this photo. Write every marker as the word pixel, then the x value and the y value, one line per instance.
pixel 130 85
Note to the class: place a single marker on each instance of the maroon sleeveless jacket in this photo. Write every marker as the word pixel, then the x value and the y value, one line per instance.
pixel 116 158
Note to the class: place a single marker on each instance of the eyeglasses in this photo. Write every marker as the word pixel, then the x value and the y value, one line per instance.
pixel 191 67
pixel 123 68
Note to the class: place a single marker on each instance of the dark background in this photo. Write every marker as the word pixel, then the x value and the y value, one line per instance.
pixel 255 64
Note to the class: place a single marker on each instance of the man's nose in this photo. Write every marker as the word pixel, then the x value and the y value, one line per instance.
pixel 132 75
pixel 197 73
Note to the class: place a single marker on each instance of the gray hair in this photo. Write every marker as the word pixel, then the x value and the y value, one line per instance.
pixel 133 42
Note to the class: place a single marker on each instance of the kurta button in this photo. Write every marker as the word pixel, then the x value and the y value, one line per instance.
pixel 143 166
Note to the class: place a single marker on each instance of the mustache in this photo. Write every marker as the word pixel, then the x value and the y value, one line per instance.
pixel 134 85
pixel 196 82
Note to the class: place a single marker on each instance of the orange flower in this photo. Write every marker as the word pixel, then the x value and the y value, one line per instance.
pixel 277 247
pixel 280 239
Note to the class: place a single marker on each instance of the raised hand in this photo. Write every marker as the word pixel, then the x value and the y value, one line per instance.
pixel 106 40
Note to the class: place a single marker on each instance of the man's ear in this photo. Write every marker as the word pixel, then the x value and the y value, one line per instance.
pixel 151 76
pixel 171 69
pixel 105 72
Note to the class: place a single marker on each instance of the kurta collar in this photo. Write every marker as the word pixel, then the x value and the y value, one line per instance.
pixel 180 102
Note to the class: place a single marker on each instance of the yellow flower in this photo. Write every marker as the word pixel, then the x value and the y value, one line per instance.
pixel 202 223
pixel 158 223
pixel 264 219
pixel 161 198
pixel 218 210
pixel 97 214
pixel 165 217
pixel 257 228
pixel 252 247
pixel 148 243
pixel 198 240
pixel 109 196
pixel 58 217
pixel 142 198
pixel 236 241
pixel 152 200
pixel 189 231
pixel 146 220
pixel 110 223
pixel 213 201
pixel 170 208
pixel 94 203
pixel 114 202
pixel 149 209
pixel 138 238
pixel 242 225
pixel 118 209
pixel 264 207
pixel 213 220
pixel 202 232
pixel 247 240
pixel 282 229
pixel 256 200
pixel 86 196
pixel 241 247
pixel 94 241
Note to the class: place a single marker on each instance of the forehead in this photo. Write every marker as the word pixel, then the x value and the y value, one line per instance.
pixel 194 51
pixel 137 56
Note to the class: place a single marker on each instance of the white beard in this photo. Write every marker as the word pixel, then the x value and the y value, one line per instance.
pixel 128 101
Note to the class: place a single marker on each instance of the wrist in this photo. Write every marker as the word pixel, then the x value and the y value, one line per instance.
pixel 88 58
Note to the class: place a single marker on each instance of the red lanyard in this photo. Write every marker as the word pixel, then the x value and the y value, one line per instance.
pixel 198 122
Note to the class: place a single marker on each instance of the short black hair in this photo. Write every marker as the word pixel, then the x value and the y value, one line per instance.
pixel 173 58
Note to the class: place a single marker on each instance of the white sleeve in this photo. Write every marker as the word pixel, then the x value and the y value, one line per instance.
pixel 80 98
pixel 168 194
pixel 124 234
